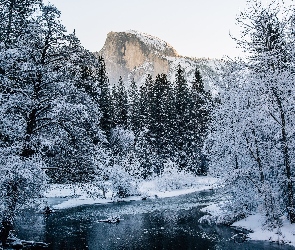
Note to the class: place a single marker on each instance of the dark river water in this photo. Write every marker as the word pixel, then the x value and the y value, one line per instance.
pixel 169 223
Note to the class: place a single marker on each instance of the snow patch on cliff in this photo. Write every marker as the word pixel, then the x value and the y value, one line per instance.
pixel 154 42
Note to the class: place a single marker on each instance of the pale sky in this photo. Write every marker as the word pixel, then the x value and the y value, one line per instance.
pixel 195 28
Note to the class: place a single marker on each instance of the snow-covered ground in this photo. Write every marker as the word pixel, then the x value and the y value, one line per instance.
pixel 154 188
pixel 77 195
pixel 254 223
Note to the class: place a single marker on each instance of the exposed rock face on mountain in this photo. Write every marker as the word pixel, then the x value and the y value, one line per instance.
pixel 133 55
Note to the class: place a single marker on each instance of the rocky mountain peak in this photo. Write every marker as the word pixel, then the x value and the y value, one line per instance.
pixel 130 54
pixel 133 55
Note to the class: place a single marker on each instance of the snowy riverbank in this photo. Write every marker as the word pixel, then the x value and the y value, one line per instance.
pixel 61 196
pixel 254 223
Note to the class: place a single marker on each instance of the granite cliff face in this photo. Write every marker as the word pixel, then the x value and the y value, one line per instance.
pixel 133 55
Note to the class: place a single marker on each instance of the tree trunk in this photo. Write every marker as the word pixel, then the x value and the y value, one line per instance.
pixel 5 229
pixel 285 149
pixel 31 125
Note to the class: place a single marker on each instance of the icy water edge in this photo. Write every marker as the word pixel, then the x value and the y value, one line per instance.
pixel 168 223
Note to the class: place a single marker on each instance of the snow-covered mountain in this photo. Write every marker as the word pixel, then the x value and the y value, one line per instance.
pixel 133 55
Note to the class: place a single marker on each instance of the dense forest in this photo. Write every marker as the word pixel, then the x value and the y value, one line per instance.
pixel 62 122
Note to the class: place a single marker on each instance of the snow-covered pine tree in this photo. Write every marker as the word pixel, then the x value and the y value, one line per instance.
pixel 144 100
pixel 200 106
pixel 105 101
pixel 120 104
pixel 182 119
pixel 134 107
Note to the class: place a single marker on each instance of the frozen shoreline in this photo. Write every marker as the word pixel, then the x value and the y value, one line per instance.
pixel 78 195
pixel 254 223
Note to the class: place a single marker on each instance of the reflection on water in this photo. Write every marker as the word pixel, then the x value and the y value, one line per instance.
pixel 170 223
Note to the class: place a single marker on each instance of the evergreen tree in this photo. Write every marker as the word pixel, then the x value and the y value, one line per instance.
pixel 120 105
pixel 200 109
pixel 198 85
pixel 157 112
pixel 181 136
pixel 145 97
pixel 105 101
pixel 134 108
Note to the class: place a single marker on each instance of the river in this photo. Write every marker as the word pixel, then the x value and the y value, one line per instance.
pixel 168 223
